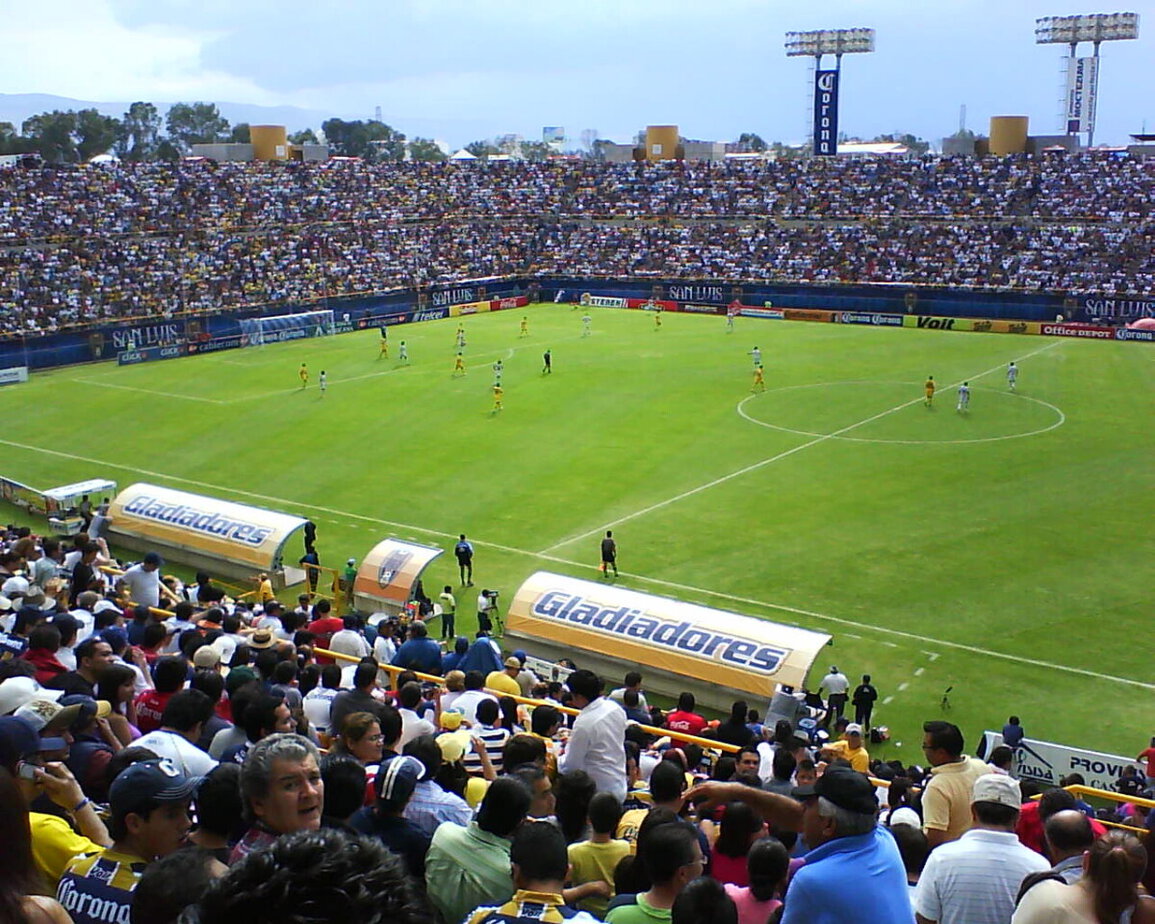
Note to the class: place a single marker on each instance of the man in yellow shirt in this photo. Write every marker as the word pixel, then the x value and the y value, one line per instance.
pixel 505 681
pixel 946 800
pixel 850 748
pixel 929 386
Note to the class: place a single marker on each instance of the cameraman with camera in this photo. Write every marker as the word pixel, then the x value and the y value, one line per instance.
pixel 487 611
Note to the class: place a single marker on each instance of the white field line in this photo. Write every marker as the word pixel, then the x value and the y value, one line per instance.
pixel 772 459
pixel 149 391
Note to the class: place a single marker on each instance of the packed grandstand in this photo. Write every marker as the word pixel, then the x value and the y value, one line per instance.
pixel 206 752
pixel 86 244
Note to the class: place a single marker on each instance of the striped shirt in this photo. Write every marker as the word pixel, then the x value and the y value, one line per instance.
pixel 975 879
pixel 98 889
pixel 530 906
pixel 494 740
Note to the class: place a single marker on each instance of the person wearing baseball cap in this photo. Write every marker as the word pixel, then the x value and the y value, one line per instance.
pixel 395 784
pixel 851 749
pixel 149 803
pixel 54 840
pixel 853 869
pixel 505 680
pixel 977 877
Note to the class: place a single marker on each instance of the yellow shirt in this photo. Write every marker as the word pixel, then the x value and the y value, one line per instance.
pixel 503 683
pixel 629 825
pixel 54 844
pixel 930 386
pixel 592 862
pixel 946 801
pixel 859 757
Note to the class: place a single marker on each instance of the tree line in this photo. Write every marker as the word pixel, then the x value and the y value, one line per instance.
pixel 76 136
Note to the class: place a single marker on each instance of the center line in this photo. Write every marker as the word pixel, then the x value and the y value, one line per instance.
pixel 770 461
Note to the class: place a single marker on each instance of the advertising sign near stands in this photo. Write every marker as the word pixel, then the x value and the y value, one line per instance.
pixel 502 304
pixel 807 314
pixel 866 317
pixel 1004 327
pixel 13 375
pixel 457 311
pixel 1047 762
pixel 930 323
pixel 602 301
pixel 688 645
pixel 1082 331
pixel 148 354
pixel 775 314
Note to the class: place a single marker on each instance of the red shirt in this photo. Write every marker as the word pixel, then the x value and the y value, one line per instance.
pixel 324 629
pixel 149 708
pixel 689 723
pixel 1148 755
pixel 1030 827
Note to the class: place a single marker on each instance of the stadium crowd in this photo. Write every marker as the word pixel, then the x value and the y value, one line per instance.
pixel 43 289
pixel 146 198
pixel 215 762
pixel 85 244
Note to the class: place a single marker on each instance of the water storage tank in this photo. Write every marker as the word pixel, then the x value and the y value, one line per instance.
pixel 661 142
pixel 270 142
pixel 1009 134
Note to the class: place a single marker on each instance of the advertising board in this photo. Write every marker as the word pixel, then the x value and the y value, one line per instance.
pixel 1047 762
pixel 1080 331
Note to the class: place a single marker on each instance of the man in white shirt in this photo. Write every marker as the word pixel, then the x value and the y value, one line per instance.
pixel 474 693
pixel 142 581
pixel 633 681
pixel 835 685
pixel 319 700
pixel 975 879
pixel 597 741
pixel 412 725
pixel 349 640
pixel 181 725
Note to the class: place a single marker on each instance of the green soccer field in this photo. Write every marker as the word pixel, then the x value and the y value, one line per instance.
pixel 1004 552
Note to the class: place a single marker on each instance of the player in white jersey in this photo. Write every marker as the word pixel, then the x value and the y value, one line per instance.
pixel 1012 375
pixel 964 397
pixel 403 352
pixel 498 369
pixel 757 354
pixel 586 322
pixel 323 381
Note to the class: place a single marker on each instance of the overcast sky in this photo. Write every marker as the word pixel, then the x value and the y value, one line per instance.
pixel 483 67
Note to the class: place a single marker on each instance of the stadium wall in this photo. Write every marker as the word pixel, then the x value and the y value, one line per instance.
pixel 162 338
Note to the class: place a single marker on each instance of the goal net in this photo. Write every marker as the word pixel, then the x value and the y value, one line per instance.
pixel 259 331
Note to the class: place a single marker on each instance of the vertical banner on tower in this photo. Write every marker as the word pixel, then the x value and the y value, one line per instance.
pixel 826 113
pixel 1082 90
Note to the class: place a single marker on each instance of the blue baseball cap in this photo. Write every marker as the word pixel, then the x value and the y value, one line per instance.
pixel 150 781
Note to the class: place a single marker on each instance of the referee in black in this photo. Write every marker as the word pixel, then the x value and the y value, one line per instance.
pixel 609 554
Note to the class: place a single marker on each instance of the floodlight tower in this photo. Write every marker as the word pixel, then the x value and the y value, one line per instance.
pixel 837 42
pixel 1082 74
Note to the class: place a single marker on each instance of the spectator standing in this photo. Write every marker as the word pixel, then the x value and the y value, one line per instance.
pixel 142 581
pixel 540 866
pixel 430 805
pixel 93 655
pixel 597 741
pixel 394 785
pixel 684 719
pixel 1068 836
pixel 469 866
pixel 946 800
pixel 420 652
pixel 733 730
pixel 632 681
pixel 975 879
pixel 852 749
pixel 318 702
pixel 595 860
pixel 358 699
pixel 349 640
pixel 448 613
pixel 1146 757
pixel 149 818
pixel 673 858
pixel 836 816
pixel 505 680
pixel 282 789
pixel 767 865
pixel 863 699
pixel 181 725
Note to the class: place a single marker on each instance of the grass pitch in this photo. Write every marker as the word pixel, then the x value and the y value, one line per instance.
pixel 1004 552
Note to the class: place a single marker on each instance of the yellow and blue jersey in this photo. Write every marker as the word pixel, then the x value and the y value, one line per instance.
pixel 98 889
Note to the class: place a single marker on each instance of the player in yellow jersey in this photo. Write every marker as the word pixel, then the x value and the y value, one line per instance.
pixel 759 379
pixel 929 386
pixel 657 317
pixel 498 394
pixel 524 328
pixel 384 354
pixel 459 365
pixel 303 372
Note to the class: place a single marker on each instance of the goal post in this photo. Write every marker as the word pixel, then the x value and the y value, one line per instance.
pixel 275 329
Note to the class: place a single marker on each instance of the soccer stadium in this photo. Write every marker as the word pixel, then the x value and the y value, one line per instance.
pixel 674 534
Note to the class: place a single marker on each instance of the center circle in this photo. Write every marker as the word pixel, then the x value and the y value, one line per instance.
pixel 895 408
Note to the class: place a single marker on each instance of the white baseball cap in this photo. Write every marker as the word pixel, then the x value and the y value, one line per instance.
pixel 16 691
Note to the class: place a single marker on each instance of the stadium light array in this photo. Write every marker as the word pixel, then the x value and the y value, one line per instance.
pixel 821 42
pixel 1095 27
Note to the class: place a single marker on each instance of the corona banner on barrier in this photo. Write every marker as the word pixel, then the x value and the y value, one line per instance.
pixel 204 527
pixel 685 640
pixel 387 574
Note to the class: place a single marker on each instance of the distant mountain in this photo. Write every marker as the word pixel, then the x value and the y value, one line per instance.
pixel 16 107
